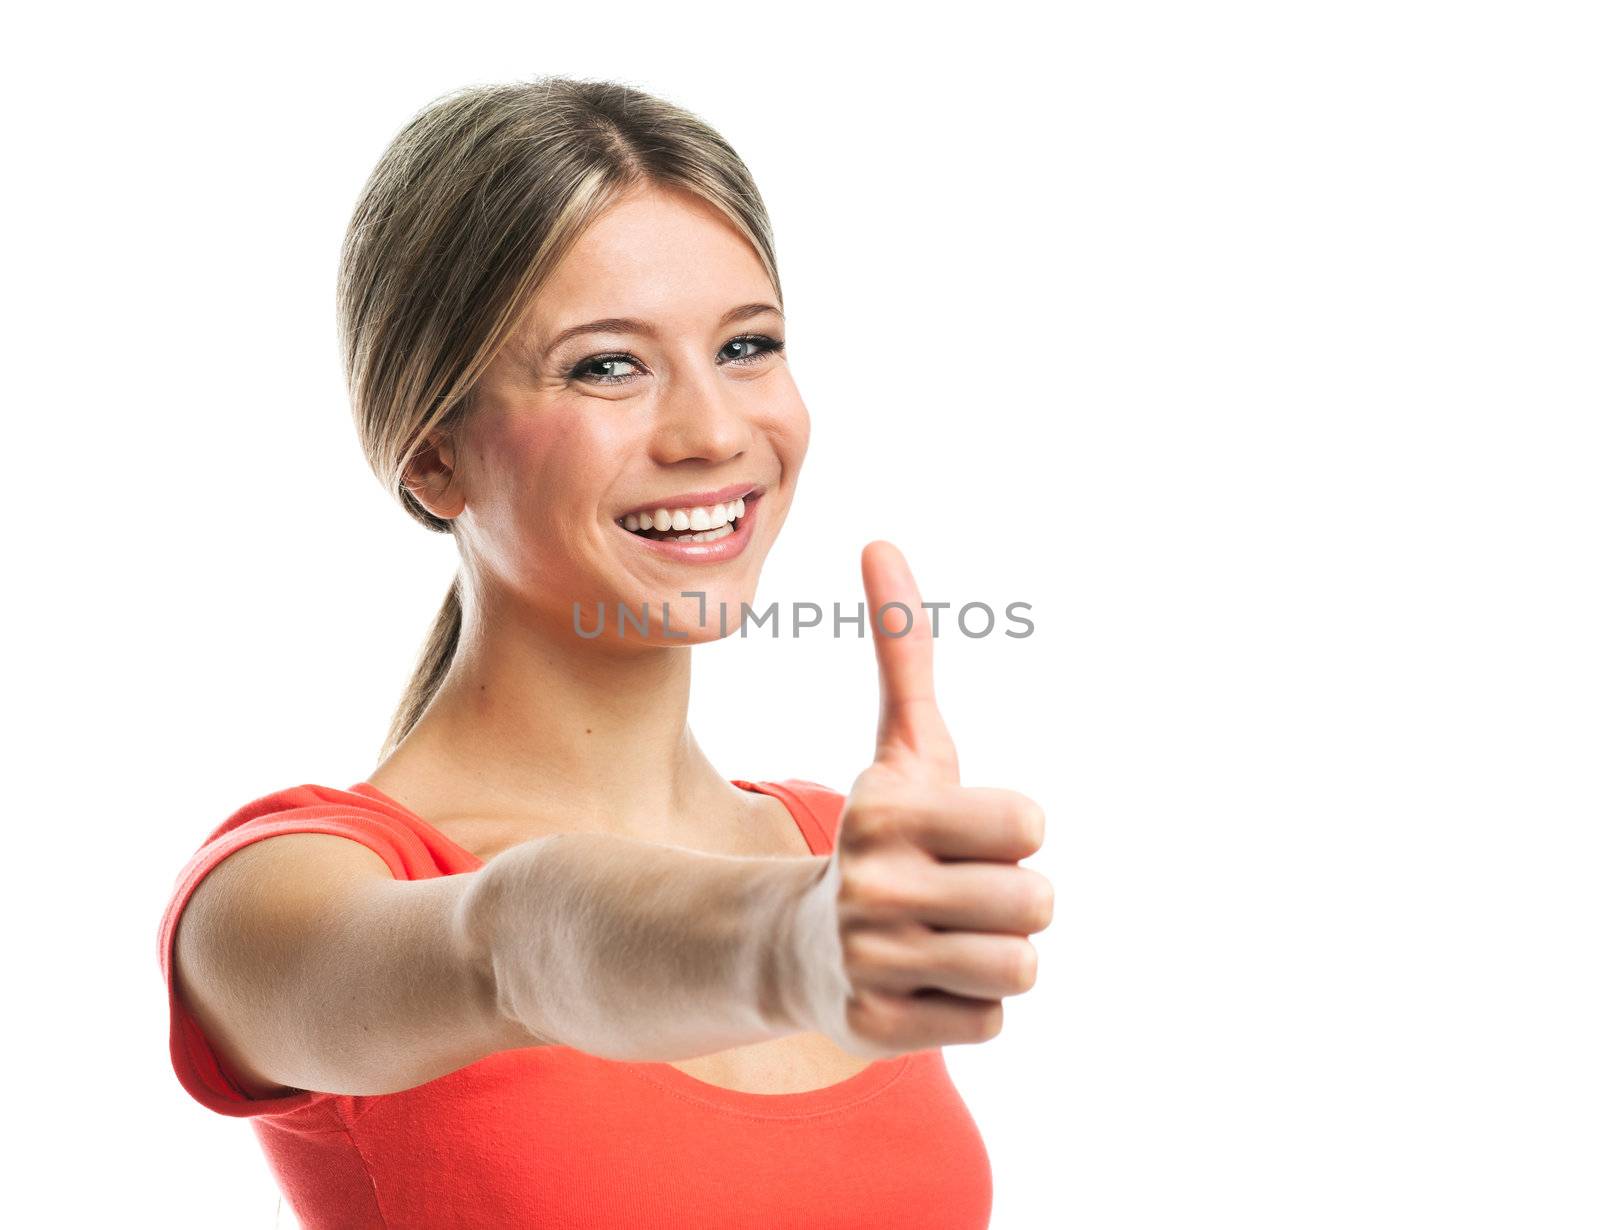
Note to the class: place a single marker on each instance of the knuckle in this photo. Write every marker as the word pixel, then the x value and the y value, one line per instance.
pixel 859 949
pixel 863 1022
pixel 944 755
pixel 874 817
pixel 891 811
pixel 892 899
pixel 874 889
pixel 849 839
pixel 870 1016
pixel 850 873
pixel 858 883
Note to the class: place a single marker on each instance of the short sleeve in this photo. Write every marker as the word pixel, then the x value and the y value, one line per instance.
pixel 815 807
pixel 823 802
pixel 198 1067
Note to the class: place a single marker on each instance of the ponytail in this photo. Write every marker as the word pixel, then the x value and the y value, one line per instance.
pixel 432 665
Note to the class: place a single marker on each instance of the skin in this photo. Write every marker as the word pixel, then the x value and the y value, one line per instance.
pixel 569 766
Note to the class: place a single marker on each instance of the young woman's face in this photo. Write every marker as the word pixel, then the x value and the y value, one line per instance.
pixel 679 399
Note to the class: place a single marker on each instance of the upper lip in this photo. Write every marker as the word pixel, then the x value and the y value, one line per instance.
pixel 698 499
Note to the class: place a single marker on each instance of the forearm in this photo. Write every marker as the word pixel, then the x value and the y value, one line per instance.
pixel 637 951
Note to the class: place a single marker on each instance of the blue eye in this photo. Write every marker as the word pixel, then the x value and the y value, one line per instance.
pixel 767 345
pixel 753 348
pixel 602 360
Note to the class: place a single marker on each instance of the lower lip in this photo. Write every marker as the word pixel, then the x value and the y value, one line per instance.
pixel 724 548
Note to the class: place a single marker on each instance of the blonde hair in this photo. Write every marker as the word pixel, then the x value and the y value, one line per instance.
pixel 469 209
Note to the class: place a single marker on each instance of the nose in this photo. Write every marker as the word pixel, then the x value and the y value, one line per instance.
pixel 700 420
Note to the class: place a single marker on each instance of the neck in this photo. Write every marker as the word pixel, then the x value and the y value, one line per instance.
pixel 530 718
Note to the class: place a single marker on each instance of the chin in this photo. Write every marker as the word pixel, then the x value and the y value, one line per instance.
pixel 704 611
pixel 688 610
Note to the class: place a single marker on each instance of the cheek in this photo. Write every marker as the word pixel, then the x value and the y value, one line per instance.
pixel 549 475
pixel 553 465
pixel 802 432
pixel 788 426
pixel 798 440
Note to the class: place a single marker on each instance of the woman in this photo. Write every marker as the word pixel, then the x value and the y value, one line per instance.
pixel 545 965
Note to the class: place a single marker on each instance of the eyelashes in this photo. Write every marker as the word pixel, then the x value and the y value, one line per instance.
pixel 584 371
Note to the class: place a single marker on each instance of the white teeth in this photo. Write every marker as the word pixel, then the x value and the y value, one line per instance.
pixel 715 521
pixel 704 535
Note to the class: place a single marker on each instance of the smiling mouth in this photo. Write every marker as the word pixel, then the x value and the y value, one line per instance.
pixel 703 523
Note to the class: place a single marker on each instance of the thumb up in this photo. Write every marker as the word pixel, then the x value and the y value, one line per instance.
pixel 923 915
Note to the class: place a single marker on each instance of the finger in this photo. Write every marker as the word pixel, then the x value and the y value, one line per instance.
pixel 910 727
pixel 925 1019
pixel 907 959
pixel 1000 898
pixel 948 822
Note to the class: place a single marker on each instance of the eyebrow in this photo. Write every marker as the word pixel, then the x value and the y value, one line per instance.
pixel 627 324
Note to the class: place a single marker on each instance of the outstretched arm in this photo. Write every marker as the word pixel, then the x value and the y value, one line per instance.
pixel 310 967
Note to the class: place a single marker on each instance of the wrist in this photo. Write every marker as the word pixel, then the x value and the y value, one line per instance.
pixel 805 989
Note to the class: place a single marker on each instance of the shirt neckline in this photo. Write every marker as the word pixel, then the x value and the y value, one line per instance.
pixel 866 1083
pixel 811 830
pixel 438 835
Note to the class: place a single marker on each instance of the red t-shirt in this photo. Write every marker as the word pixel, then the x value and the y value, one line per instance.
pixel 554 1137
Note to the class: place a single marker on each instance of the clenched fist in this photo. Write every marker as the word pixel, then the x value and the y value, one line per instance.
pixel 919 927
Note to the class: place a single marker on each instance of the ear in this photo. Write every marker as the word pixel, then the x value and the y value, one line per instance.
pixel 432 479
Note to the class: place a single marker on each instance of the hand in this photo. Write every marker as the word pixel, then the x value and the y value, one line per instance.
pixel 928 907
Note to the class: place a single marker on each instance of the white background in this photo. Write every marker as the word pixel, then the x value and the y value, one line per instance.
pixel 1255 345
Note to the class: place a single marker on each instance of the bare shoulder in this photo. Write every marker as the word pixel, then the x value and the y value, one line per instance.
pixel 766 828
